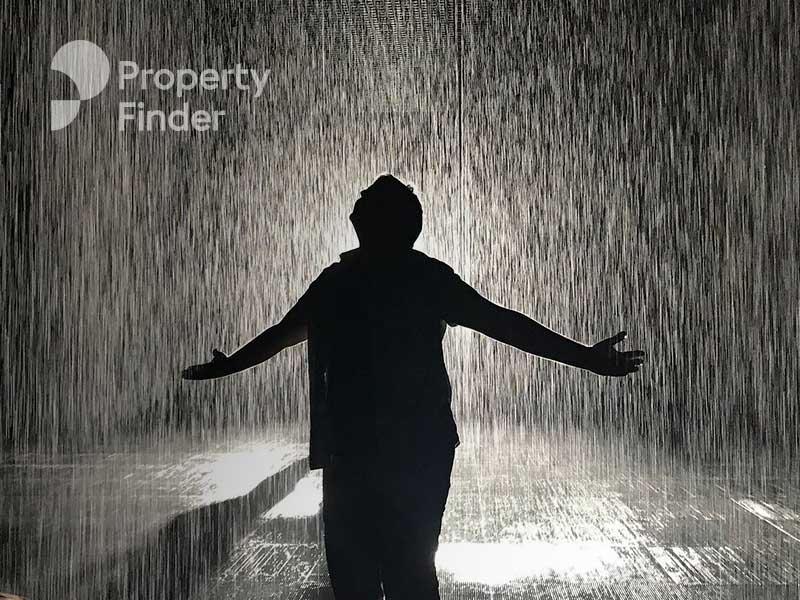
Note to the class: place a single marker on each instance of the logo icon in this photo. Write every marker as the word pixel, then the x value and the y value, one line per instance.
pixel 88 67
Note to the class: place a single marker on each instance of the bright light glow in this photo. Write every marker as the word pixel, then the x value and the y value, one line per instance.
pixel 766 510
pixel 499 563
pixel 759 509
pixel 304 501
pixel 232 474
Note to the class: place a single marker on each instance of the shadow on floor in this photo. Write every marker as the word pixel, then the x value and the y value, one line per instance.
pixel 317 593
pixel 175 562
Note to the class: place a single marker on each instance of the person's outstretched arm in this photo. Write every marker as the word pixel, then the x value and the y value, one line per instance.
pixel 291 330
pixel 470 309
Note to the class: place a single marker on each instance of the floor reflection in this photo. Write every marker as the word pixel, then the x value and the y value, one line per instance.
pixel 496 564
pixel 531 514
pixel 101 525
pixel 534 514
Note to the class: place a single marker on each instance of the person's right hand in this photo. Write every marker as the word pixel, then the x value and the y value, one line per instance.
pixel 217 367
pixel 604 359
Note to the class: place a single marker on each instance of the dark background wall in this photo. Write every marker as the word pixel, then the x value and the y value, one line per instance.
pixel 598 166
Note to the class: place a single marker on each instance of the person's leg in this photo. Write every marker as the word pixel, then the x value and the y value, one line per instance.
pixel 414 495
pixel 349 532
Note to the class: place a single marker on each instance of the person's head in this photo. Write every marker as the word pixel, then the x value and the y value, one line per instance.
pixel 388 215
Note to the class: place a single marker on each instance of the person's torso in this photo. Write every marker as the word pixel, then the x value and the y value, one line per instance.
pixel 379 331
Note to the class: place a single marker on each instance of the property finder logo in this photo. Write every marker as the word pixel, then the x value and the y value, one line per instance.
pixel 88 67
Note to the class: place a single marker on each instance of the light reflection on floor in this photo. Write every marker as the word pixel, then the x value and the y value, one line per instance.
pixel 534 515
pixel 495 564
pixel 531 514
pixel 68 523
pixel 304 501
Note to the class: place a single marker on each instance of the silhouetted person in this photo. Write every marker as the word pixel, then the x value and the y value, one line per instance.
pixel 381 425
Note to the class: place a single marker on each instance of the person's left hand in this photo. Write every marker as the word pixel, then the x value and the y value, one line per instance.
pixel 210 370
pixel 606 360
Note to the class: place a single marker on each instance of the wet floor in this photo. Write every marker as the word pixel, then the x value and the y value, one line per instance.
pixel 531 514
pixel 95 525
pixel 535 515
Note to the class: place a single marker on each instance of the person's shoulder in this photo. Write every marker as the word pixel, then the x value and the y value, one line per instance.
pixel 328 273
pixel 441 280
pixel 434 265
pixel 423 258
pixel 334 271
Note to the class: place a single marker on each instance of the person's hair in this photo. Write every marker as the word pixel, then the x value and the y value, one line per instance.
pixel 388 214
